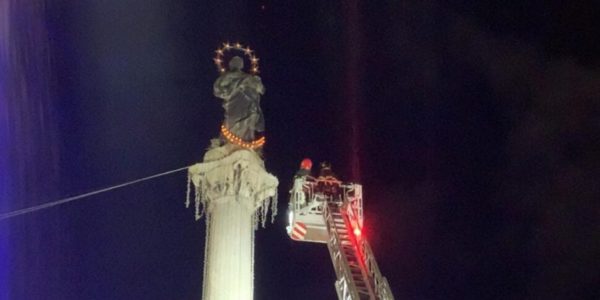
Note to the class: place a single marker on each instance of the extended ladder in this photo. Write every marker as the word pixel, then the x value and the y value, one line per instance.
pixel 326 210
pixel 358 276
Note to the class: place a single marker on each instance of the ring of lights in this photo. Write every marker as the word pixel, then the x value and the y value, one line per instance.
pixel 249 53
pixel 232 138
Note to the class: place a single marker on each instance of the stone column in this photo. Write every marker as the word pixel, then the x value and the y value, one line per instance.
pixel 235 192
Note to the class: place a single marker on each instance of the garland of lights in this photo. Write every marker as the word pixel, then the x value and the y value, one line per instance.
pixel 234 139
pixel 239 47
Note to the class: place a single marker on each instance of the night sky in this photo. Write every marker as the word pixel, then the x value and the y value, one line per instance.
pixel 473 126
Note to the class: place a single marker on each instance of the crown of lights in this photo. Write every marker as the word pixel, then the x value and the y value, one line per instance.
pixel 232 138
pixel 249 53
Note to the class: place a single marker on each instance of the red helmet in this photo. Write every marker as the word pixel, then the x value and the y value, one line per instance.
pixel 306 164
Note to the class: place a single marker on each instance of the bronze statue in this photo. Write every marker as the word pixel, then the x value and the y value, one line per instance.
pixel 241 93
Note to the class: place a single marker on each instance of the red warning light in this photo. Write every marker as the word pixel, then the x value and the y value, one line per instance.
pixel 356 232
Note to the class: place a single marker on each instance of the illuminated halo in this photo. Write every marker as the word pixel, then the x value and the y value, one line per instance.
pixel 249 53
pixel 232 138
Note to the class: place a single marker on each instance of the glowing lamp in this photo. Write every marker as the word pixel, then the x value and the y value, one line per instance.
pixel 356 232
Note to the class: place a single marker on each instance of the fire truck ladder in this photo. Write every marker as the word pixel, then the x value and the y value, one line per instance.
pixel 358 276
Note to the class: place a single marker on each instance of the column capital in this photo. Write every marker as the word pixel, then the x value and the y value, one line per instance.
pixel 232 175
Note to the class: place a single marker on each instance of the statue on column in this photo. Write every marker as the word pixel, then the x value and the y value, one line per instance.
pixel 241 93
pixel 231 185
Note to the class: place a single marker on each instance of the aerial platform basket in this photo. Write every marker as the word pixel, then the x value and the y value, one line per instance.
pixel 308 200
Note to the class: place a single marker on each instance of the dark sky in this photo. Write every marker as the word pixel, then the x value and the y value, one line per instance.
pixel 474 129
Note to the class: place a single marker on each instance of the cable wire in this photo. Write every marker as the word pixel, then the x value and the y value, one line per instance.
pixel 78 197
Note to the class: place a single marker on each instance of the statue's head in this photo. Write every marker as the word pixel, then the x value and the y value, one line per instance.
pixel 236 63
